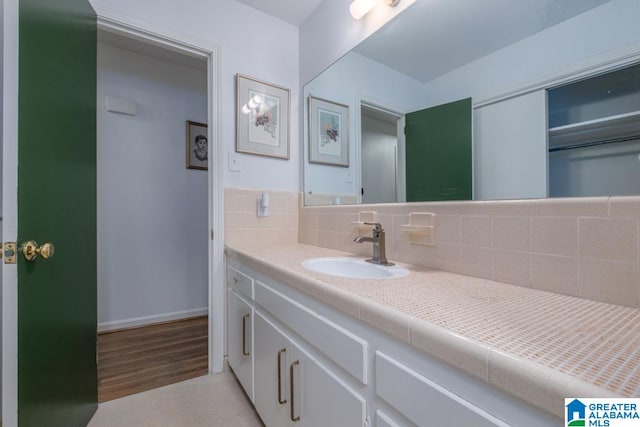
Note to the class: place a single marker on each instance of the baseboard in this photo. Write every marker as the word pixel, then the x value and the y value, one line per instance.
pixel 146 320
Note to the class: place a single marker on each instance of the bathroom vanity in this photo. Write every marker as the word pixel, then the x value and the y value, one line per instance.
pixel 312 349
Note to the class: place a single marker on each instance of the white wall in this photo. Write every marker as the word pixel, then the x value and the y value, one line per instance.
pixel 1 118
pixel 1 133
pixel 252 43
pixel 349 81
pixel 152 211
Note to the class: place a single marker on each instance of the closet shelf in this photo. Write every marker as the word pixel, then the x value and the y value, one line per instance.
pixel 607 128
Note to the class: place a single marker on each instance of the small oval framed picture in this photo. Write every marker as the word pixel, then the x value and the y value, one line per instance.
pixel 197 146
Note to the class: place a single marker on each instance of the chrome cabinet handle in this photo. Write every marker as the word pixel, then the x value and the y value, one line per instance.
pixel 244 334
pixel 280 399
pixel 293 417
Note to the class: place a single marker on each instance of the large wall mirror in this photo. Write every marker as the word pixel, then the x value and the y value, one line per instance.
pixel 467 99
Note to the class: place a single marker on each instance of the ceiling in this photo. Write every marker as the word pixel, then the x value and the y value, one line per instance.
pixel 452 33
pixel 293 11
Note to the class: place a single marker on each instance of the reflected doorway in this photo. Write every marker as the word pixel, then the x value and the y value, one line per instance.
pixel 382 155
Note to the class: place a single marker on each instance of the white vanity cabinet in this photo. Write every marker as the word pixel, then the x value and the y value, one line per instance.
pixel 293 388
pixel 240 328
pixel 309 364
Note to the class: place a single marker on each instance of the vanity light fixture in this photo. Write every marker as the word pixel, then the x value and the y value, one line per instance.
pixel 359 8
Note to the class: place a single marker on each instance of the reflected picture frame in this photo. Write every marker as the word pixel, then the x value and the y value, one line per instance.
pixel 197 146
pixel 262 118
pixel 328 132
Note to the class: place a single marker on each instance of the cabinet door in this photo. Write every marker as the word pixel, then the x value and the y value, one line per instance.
pixel 240 340
pixel 318 398
pixel 271 358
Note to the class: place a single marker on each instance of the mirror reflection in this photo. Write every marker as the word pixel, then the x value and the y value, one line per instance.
pixel 459 100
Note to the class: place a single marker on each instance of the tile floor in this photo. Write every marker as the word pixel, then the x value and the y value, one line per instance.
pixel 211 400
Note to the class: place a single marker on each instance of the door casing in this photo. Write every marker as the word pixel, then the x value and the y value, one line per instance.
pixel 108 20
pixel 376 104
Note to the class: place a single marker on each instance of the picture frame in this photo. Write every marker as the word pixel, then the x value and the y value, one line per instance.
pixel 262 118
pixel 328 132
pixel 197 146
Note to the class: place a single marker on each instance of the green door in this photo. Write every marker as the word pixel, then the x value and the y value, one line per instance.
pixel 57 379
pixel 438 152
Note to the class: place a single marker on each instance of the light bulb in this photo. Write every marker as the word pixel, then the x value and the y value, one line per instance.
pixel 359 8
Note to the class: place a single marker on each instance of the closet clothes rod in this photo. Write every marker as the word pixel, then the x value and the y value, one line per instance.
pixel 594 143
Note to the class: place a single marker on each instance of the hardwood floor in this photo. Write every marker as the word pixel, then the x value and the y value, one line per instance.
pixel 135 360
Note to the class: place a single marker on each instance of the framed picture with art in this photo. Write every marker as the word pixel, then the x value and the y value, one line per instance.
pixel 197 146
pixel 262 118
pixel 328 132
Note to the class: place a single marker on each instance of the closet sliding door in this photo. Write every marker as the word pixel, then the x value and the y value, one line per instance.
pixel 510 148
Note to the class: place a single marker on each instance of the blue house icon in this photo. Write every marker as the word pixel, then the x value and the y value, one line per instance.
pixel 575 407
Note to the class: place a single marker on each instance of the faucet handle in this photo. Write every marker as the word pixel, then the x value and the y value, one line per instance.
pixel 377 226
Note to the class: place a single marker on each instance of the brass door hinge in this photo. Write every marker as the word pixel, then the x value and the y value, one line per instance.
pixel 9 252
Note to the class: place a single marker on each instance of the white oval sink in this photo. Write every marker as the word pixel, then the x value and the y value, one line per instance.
pixel 353 268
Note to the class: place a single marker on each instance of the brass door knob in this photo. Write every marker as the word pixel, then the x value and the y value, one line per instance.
pixel 31 250
pixel 47 250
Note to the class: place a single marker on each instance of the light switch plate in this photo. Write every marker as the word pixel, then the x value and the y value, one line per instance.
pixel 234 162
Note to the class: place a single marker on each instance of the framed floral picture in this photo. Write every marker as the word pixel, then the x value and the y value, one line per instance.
pixel 197 146
pixel 262 118
pixel 328 132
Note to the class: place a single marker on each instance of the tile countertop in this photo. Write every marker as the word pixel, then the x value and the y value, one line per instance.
pixel 537 345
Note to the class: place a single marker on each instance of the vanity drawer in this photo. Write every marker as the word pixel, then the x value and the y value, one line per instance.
pixel 240 282
pixel 423 401
pixel 344 348
pixel 383 420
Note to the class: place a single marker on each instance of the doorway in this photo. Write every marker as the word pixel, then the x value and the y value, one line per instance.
pixel 382 155
pixel 108 20
pixel 152 194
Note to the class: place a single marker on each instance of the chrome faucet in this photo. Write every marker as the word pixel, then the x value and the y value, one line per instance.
pixel 378 240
